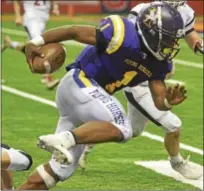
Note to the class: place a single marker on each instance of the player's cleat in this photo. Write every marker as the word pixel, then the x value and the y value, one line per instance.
pixel 58 145
pixel 187 169
pixel 52 84
pixel 83 158
pixel 7 43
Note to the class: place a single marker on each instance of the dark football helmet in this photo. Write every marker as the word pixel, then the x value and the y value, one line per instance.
pixel 160 27
pixel 174 3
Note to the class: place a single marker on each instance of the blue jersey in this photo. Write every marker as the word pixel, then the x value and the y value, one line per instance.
pixel 122 63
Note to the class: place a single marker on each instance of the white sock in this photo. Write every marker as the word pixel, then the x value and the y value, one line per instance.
pixel 176 159
pixel 69 138
pixel 15 44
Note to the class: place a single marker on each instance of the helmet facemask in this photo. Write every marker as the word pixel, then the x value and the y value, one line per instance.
pixel 161 43
pixel 168 46
pixel 175 3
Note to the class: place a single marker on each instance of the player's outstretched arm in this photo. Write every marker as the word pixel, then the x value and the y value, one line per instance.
pixel 166 97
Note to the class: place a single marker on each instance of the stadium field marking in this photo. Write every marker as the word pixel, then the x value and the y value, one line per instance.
pixel 53 104
pixel 24 34
pixel 28 96
pixel 163 167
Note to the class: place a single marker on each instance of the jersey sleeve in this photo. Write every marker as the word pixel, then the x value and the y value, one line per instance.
pixel 135 11
pixel 165 68
pixel 110 34
pixel 188 15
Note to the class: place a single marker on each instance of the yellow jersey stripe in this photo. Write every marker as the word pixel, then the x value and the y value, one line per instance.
pixel 84 80
pixel 118 34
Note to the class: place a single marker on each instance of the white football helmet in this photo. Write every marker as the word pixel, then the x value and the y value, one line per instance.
pixel 175 3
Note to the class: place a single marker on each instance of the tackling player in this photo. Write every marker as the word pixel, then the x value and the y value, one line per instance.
pixel 120 55
pixel 12 160
pixel 36 15
pixel 141 106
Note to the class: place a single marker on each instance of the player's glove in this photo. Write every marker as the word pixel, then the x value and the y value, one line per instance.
pixel 199 49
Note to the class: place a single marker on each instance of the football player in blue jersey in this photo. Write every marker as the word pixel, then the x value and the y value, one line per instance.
pixel 140 105
pixel 119 54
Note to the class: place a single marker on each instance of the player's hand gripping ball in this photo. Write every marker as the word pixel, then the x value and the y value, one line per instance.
pixel 54 55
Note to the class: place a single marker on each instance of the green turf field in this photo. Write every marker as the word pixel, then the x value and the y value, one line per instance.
pixel 110 166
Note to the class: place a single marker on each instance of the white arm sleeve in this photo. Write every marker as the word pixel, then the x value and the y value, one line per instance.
pixel 135 10
pixel 188 16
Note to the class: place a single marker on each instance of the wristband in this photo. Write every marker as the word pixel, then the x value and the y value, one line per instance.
pixel 38 41
pixel 167 104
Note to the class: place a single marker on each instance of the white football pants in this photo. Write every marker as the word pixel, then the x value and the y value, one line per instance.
pixel 80 100
pixel 141 109
pixel 35 24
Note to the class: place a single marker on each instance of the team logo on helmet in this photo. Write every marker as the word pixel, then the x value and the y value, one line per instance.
pixel 151 18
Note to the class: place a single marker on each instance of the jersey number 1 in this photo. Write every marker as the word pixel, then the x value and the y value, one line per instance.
pixel 128 76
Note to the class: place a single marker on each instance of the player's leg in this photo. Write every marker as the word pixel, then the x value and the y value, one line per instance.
pixel 137 119
pixel 141 99
pixel 105 120
pixel 138 122
pixel 83 158
pixel 7 180
pixel 9 43
pixel 73 103
pixel 48 175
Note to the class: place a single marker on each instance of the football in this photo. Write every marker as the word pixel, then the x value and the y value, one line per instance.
pixel 55 55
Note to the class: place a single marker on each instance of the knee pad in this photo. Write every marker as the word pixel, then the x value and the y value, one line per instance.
pixel 19 160
pixel 47 178
pixel 125 129
pixel 170 122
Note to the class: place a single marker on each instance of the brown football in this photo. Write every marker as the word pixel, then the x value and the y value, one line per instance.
pixel 55 55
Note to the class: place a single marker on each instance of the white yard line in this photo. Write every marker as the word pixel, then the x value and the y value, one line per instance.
pixel 52 103
pixel 24 34
pixel 164 168
pixel 28 96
